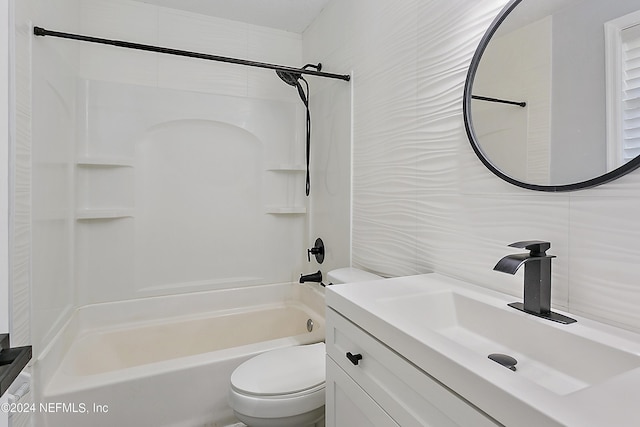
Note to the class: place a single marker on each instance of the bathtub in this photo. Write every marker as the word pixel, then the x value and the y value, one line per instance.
pixel 166 361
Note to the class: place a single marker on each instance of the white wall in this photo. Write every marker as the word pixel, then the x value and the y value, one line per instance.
pixel 330 201
pixel 5 102
pixel 42 228
pixel 40 176
pixel 423 201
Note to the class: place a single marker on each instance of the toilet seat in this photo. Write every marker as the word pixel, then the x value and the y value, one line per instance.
pixel 280 383
pixel 281 372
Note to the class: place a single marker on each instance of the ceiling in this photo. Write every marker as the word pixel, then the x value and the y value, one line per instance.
pixel 288 15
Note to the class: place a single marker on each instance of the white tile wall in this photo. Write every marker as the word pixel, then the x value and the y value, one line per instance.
pixel 423 201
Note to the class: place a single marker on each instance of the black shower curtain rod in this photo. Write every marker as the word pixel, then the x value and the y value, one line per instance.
pixel 501 101
pixel 39 31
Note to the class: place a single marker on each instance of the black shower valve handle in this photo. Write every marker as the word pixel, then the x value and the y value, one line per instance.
pixel 317 250
pixel 313 251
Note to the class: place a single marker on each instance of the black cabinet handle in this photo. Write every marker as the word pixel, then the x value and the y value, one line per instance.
pixel 354 358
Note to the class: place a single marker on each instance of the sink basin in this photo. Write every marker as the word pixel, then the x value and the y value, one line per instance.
pixel 549 355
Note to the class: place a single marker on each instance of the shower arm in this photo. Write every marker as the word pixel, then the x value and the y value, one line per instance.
pixel 39 31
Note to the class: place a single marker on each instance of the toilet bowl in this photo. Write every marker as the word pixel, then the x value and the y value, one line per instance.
pixel 286 387
pixel 280 388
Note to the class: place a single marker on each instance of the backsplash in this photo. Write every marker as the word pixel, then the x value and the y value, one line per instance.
pixel 422 201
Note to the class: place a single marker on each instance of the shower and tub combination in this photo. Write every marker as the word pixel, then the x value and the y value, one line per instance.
pixel 203 358
pixel 185 204
pixel 167 361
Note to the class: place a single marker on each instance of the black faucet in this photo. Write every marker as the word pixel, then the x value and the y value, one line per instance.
pixel 312 277
pixel 537 279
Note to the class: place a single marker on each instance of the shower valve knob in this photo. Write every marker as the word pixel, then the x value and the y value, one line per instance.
pixel 317 250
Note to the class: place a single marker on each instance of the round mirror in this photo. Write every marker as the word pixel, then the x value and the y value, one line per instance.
pixel 552 97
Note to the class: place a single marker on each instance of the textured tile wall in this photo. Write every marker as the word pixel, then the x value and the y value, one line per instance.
pixel 423 202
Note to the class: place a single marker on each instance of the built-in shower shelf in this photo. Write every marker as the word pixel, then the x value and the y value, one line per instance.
pixel 105 162
pixel 286 210
pixel 287 168
pixel 89 214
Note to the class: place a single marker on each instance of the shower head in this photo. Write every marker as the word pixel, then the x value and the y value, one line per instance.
pixel 288 77
pixel 291 78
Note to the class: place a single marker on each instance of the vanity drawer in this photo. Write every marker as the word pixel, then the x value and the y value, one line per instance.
pixel 406 393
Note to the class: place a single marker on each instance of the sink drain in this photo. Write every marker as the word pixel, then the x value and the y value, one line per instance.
pixel 504 360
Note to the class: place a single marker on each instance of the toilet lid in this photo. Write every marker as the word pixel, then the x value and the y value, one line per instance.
pixel 284 371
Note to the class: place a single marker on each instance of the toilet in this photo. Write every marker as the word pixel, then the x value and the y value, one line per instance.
pixel 286 387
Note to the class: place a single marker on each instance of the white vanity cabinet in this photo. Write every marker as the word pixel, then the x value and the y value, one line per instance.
pixel 384 389
pixel 348 404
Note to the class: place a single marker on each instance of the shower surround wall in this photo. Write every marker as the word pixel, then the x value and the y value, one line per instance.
pixel 422 201
pixel 41 173
pixel 183 191
pixel 98 218
pixel 208 157
pixel 42 196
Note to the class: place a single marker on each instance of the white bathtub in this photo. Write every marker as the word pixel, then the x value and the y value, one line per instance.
pixel 166 361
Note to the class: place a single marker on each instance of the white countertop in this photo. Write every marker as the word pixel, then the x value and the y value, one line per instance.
pixel 511 398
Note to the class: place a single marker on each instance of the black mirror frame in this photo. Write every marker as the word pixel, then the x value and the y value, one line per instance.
pixel 468 123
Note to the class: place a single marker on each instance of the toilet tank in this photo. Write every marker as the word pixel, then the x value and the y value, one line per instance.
pixel 349 275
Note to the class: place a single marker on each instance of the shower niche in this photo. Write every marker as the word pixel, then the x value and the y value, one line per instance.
pixel 104 189
pixel 175 190
pixel 288 178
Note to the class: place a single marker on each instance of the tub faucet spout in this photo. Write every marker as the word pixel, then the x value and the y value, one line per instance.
pixel 312 277
pixel 537 279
